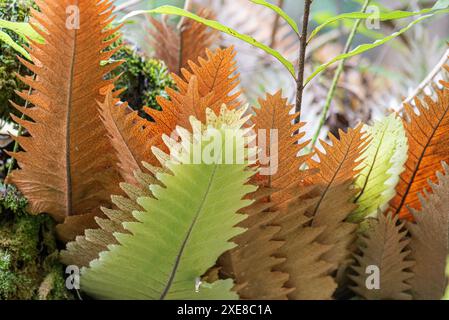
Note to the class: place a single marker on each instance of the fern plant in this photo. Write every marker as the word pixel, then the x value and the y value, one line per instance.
pixel 182 227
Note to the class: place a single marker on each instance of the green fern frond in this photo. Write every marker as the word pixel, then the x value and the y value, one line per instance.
pixel 185 225
pixel 383 162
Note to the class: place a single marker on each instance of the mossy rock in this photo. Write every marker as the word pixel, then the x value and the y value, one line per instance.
pixel 29 261
pixel 144 79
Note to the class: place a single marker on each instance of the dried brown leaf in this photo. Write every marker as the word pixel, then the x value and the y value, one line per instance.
pixel 430 240
pixel 251 264
pixel 309 273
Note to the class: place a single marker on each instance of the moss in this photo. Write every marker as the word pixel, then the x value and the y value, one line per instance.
pixel 9 65
pixel 29 266
pixel 144 79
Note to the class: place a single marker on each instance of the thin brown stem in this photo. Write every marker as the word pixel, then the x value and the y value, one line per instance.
pixel 302 56
pixel 188 7
pixel 181 28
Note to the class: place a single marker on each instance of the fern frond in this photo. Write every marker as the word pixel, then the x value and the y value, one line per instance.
pixel 383 162
pixel 96 239
pixel 132 137
pixel 177 46
pixel 274 119
pixel 194 96
pixel 129 135
pixel 216 73
pixel 309 274
pixel 252 262
pixel 165 41
pixel 67 168
pixel 383 245
pixel 257 246
pixel 430 240
pixel 427 134
pixel 338 166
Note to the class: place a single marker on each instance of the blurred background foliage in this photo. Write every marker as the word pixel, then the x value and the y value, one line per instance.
pixel 372 84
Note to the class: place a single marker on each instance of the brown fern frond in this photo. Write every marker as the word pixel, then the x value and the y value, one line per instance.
pixel 210 85
pixel 257 246
pixel 133 137
pixel 338 166
pixel 309 274
pixel 166 43
pixel 274 119
pixel 182 105
pixel 340 160
pixel 176 111
pixel 129 134
pixel 67 168
pixel 383 245
pixel 430 240
pixel 197 37
pixel 177 47
pixel 428 137
pixel 251 264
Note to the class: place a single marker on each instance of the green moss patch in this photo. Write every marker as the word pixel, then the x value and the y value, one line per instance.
pixel 29 266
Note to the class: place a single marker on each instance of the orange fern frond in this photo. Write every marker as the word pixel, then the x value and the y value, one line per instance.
pixel 428 138
pixel 216 73
pixel 194 96
pixel 274 119
pixel 181 105
pixel 129 134
pixel 67 168
pixel 133 137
